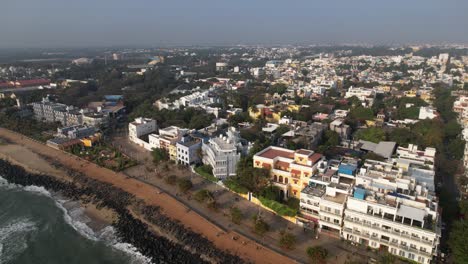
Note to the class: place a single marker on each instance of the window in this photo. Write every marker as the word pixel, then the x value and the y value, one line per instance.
pixel 421 259
pixel 337 211
pixel 336 221
pixel 393 251
pixel 411 255
pixel 402 253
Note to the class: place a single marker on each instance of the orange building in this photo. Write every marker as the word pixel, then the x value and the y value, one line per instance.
pixel 290 170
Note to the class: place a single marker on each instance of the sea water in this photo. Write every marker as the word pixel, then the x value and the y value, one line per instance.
pixel 36 228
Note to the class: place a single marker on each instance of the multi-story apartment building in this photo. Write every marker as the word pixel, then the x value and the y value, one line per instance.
pixel 223 153
pixel 365 95
pixel 95 119
pixel 390 210
pixel 77 131
pixel 460 106
pixel 49 111
pixel 426 157
pixel 140 127
pixel 323 200
pixel 167 139
pixel 290 170
pixel 188 150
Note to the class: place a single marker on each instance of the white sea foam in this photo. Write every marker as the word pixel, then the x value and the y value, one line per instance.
pixel 76 218
pixel 137 257
pixel 14 236
pixel 37 190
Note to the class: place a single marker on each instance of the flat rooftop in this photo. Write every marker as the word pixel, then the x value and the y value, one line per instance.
pixel 314 190
pixel 338 198
pixel 272 153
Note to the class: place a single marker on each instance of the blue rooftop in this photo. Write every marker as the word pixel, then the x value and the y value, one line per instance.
pixel 360 193
pixel 113 97
pixel 347 169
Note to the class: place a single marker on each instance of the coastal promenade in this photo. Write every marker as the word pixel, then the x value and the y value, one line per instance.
pixel 151 195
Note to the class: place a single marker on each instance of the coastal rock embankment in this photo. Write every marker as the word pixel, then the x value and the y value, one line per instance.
pixel 129 228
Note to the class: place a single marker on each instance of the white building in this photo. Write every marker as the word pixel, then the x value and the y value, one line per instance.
pixel 141 126
pixel 460 106
pixel 465 155
pixel 427 112
pixel 365 95
pixel 222 153
pixel 49 111
pixel 188 150
pixel 221 66
pixel 391 211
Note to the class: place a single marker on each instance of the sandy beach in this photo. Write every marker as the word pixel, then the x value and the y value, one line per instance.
pixel 35 157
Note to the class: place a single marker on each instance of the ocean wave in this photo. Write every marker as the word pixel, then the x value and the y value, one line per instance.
pixel 77 219
pixel 38 190
pixel 137 257
pixel 14 236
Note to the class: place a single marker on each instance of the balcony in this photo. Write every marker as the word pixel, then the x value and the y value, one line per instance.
pixel 388 231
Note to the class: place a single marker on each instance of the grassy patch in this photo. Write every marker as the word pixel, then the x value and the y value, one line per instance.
pixel 206 172
pixel 279 208
pixel 104 156
pixel 235 186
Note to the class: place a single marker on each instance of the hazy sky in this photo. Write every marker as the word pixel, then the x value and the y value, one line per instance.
pixel 77 23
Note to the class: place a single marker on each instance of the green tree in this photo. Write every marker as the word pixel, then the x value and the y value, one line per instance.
pixel 457 241
pixel 279 88
pixel 236 215
pixel 271 193
pixel 184 185
pixel 452 129
pixel 317 254
pixel 260 226
pixel 159 155
pixel 361 113
pixel 287 240
pixel 203 196
pixel 171 180
pixel 403 136
pixel 373 134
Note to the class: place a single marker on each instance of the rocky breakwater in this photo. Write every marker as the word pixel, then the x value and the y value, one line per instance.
pixel 190 247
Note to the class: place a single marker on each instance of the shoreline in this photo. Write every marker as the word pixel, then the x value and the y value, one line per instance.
pixel 127 228
pixel 215 241
pixel 86 220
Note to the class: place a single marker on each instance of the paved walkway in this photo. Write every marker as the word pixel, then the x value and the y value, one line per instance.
pixel 243 246
pixel 226 200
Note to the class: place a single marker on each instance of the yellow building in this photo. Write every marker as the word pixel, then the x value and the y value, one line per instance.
pixel 370 123
pixel 173 152
pixel 262 111
pixel 294 108
pixel 289 170
pixel 427 97
pixel 411 93
pixel 89 141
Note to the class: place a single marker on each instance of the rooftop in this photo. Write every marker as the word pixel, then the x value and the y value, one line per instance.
pixel 271 153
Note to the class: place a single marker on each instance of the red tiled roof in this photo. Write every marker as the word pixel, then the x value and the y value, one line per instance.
pixel 266 166
pixel 295 171
pixel 273 153
pixel 33 82
pixel 304 152
pixel 282 164
pixel 316 157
